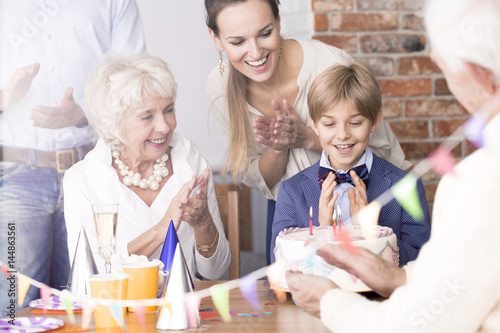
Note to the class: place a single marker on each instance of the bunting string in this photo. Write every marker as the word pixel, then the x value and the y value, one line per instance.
pixel 404 191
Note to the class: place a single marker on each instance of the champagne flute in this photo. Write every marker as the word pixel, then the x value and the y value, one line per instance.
pixel 106 219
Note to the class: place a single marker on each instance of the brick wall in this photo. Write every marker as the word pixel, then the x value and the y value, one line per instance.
pixel 389 36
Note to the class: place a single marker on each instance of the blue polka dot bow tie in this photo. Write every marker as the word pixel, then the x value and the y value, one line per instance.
pixel 361 171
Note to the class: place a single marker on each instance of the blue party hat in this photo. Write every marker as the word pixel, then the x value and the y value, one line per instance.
pixel 168 251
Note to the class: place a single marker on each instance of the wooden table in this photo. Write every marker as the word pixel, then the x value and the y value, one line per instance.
pixel 285 317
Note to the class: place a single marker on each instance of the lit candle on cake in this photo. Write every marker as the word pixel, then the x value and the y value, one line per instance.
pixel 311 221
pixel 334 223
pixel 340 221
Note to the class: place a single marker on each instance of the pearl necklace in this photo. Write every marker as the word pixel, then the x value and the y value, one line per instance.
pixel 131 178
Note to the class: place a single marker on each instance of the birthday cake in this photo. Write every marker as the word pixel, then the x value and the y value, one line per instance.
pixel 291 254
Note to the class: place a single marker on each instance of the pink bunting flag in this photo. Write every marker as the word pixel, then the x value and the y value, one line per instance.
pixel 140 314
pixel 5 269
pixel 45 294
pixel 345 238
pixel 442 161
pixel 23 284
pixel 248 287
pixel 192 309
pixel 220 296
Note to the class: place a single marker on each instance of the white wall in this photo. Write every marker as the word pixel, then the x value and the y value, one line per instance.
pixel 297 19
pixel 176 31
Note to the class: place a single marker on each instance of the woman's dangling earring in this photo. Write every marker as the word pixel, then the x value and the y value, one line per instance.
pixel 221 65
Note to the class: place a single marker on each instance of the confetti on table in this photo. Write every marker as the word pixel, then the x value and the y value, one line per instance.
pixel 208 314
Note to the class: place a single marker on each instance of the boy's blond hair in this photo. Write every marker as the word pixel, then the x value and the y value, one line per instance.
pixel 354 83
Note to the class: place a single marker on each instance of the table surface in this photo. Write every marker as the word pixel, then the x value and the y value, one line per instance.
pixel 283 317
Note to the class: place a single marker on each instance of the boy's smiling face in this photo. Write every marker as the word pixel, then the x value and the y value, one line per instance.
pixel 344 134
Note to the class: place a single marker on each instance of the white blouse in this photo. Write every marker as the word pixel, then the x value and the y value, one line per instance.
pixel 94 180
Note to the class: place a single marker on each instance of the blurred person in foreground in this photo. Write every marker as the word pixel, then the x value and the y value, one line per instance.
pixel 47 51
pixel 454 285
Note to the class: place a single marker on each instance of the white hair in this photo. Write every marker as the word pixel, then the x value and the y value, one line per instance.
pixel 465 31
pixel 120 83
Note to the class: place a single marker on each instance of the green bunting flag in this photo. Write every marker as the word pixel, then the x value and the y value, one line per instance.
pixel 405 192
pixel 220 296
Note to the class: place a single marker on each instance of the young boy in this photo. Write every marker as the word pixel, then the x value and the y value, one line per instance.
pixel 344 108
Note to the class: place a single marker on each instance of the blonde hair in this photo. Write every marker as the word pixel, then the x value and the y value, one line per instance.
pixel 354 83
pixel 240 136
pixel 241 140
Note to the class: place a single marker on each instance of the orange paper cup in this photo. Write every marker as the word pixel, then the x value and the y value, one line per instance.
pixel 143 281
pixel 108 286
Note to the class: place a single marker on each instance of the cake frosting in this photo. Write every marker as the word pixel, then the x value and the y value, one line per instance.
pixel 290 253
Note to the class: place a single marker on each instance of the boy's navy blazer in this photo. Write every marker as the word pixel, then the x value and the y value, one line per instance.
pixel 297 194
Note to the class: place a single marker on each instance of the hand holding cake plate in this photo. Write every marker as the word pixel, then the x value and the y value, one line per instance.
pixel 288 241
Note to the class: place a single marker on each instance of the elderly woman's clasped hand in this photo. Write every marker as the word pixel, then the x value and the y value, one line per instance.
pixel 195 210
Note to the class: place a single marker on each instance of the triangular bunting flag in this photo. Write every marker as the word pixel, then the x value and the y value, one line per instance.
pixel 193 309
pixel 345 238
pixel 68 303
pixel 248 287
pixel 473 129
pixel 23 284
pixel 45 294
pixel 220 296
pixel 441 160
pixel 88 308
pixel 140 314
pixel 405 192
pixel 277 279
pixel 5 269
pixel 117 312
pixel 367 219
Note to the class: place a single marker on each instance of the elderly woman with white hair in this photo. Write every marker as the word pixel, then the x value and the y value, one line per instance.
pixel 454 285
pixel 140 163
